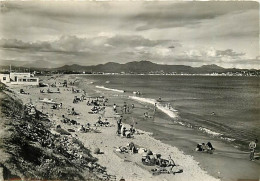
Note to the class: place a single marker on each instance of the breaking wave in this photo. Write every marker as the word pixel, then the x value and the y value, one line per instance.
pixel 170 112
pixel 110 89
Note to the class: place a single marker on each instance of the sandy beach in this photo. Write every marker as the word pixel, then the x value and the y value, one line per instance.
pixel 128 165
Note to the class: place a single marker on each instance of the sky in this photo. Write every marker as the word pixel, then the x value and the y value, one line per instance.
pixel 52 34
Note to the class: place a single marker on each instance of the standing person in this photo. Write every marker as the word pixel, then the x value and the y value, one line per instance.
pixel 169 105
pixel 252 146
pixel 125 108
pixel 114 107
pixel 119 125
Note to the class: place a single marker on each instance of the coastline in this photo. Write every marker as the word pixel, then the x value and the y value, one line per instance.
pixel 107 141
pixel 226 156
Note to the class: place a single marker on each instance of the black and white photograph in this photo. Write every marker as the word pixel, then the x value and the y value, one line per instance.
pixel 129 90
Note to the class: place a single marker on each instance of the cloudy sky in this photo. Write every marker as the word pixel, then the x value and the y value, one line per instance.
pixel 52 34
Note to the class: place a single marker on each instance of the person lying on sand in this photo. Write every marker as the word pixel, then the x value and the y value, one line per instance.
pixel 73 112
pixel 122 149
pixel 96 109
pixel 54 106
pixel 82 129
pixel 69 121
pixel 166 170
pixel 131 147
pixel 164 162
pixel 76 100
pixel 22 92
pixel 105 123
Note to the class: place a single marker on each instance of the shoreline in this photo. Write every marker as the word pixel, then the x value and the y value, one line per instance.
pixel 107 141
pixel 174 116
pixel 213 75
pixel 191 167
pixel 186 139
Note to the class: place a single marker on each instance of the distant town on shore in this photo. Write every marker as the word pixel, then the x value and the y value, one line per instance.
pixel 136 68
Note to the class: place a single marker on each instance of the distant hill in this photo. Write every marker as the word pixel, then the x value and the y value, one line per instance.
pixel 141 67
pixel 137 67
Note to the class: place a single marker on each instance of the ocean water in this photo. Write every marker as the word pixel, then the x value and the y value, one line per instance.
pixel 222 108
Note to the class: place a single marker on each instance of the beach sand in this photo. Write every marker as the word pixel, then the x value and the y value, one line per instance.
pixel 214 167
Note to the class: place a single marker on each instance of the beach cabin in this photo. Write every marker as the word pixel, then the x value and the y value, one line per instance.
pixel 15 78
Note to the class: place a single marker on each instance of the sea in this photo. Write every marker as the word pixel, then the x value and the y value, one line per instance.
pixel 190 109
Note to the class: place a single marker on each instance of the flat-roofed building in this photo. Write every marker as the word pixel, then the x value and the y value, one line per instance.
pixel 15 78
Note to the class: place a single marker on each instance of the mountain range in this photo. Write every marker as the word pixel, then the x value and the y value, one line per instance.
pixel 139 67
pixel 145 67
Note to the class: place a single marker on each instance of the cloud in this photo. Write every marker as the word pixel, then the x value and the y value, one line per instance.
pixel 97 32
pixel 187 14
pixel 118 48
pixel 213 53
pixel 137 40
pixel 229 53
pixel 18 44
pixel 87 50
pixel 76 44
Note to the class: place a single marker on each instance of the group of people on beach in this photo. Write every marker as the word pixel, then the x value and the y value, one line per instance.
pixel 121 129
pixel 205 147
pixel 252 147
pixel 125 109
pixel 104 123
pixel 148 159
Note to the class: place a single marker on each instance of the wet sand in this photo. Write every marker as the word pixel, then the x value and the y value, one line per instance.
pixel 227 163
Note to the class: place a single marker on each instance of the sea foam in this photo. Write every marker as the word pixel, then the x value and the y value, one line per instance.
pixel 210 131
pixel 110 89
pixel 170 112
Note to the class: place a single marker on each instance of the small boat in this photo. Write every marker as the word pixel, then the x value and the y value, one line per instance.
pixel 43 85
pixel 53 91
pixel 107 82
pixel 48 101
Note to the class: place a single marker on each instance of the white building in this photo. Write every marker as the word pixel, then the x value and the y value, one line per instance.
pixel 4 78
pixel 19 79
